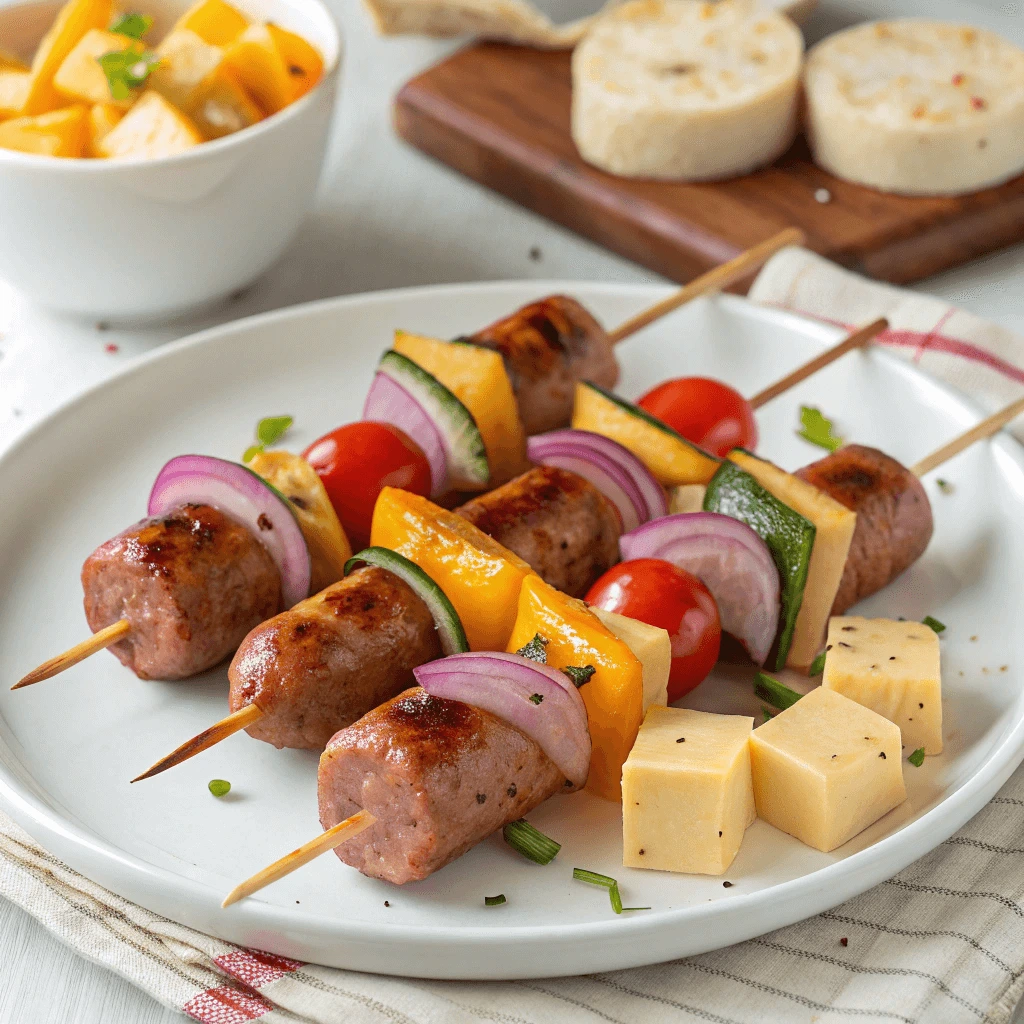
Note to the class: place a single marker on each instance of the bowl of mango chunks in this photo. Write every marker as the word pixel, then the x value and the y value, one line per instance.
pixel 157 159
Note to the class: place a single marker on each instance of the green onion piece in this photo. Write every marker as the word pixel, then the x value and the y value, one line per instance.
pixel 818 429
pixel 530 842
pixel 220 787
pixel 606 882
pixel 495 901
pixel 127 69
pixel 134 25
pixel 536 698
pixel 774 692
pixel 626 910
pixel 768 716
pixel 534 650
pixel 579 675
pixel 818 665
pixel 271 429
pixel 917 757
pixel 933 623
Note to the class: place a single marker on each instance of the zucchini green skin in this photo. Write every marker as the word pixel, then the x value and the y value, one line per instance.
pixel 789 536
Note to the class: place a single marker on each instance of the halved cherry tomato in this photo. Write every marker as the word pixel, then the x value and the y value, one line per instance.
pixel 661 594
pixel 705 411
pixel 357 461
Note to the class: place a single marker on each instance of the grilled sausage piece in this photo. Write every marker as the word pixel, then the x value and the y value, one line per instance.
pixel 894 517
pixel 548 346
pixel 438 775
pixel 559 523
pixel 191 584
pixel 319 666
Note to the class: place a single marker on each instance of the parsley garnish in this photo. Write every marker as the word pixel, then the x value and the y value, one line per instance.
pixel 818 429
pixel 917 757
pixel 774 692
pixel 133 25
pixel 269 431
pixel 536 698
pixel 818 665
pixel 127 69
pixel 579 675
pixel 534 650
pixel 944 485
pixel 933 623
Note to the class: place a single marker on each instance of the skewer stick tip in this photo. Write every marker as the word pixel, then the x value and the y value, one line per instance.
pixel 99 641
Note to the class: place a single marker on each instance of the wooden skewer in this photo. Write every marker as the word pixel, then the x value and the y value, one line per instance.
pixel 347 829
pixel 240 719
pixel 97 642
pixel 986 428
pixel 858 339
pixel 713 281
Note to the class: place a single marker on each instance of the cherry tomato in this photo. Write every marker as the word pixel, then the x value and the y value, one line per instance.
pixel 705 411
pixel 357 461
pixel 661 594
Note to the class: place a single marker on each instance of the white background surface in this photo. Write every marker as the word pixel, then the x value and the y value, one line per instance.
pixel 386 217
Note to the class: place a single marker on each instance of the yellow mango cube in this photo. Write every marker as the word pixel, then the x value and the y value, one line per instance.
pixel 13 92
pixel 8 62
pixel 301 58
pixel 103 119
pixel 57 133
pixel 258 65
pixel 153 128
pixel 214 21
pixel 81 76
pixel 74 20
pixel 614 694
pixel 220 106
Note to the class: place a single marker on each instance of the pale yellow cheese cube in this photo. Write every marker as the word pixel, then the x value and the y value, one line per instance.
pixel 826 768
pixel 653 649
pixel 687 796
pixel 686 498
pixel 893 668
pixel 835 524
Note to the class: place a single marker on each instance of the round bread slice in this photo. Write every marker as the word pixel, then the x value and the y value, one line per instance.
pixel 917 107
pixel 684 90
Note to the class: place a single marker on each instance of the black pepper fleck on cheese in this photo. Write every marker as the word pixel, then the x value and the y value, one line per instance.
pixel 843 643
pixel 682 739
pixel 641 851
pixel 849 629
pixel 881 754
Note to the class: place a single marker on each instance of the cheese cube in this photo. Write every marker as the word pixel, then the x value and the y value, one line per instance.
pixel 81 76
pixel 892 668
pixel 653 648
pixel 835 524
pixel 826 768
pixel 687 797
pixel 686 498
pixel 151 129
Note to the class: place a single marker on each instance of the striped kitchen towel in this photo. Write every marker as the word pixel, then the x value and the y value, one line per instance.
pixel 941 942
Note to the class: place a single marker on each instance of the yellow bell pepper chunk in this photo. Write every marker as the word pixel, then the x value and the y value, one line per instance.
pixel 13 93
pixel 8 62
pixel 481 577
pixel 73 21
pixel 256 62
pixel 153 128
pixel 301 58
pixel 81 77
pixel 103 119
pixel 214 21
pixel 614 695
pixel 58 133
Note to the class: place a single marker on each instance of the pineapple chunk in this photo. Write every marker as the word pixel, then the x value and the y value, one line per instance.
pixel 302 59
pixel 13 92
pixel 153 128
pixel 185 62
pixel 256 62
pixel 214 21
pixel 103 119
pixel 80 77
pixel 58 133
pixel 74 20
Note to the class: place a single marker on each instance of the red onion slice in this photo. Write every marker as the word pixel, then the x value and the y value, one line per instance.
pixel 614 470
pixel 241 494
pixel 733 563
pixel 388 402
pixel 504 684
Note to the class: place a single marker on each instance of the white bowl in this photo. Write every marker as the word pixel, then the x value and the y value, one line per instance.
pixel 119 239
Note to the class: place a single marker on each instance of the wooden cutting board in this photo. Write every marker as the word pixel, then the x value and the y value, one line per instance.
pixel 500 115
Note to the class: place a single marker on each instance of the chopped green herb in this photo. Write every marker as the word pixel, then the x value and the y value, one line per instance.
pixel 944 485
pixel 606 882
pixel 495 901
pixel 132 24
pixel 579 675
pixel 271 429
pixel 917 757
pixel 127 69
pixel 818 665
pixel 932 623
pixel 251 452
pixel 530 842
pixel 768 716
pixel 774 692
pixel 536 698
pixel 534 650
pixel 818 429
pixel 220 787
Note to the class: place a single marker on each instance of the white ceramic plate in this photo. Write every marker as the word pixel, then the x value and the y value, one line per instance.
pixel 69 746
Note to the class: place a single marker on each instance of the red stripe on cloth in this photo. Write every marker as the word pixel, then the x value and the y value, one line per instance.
pixel 225 1005
pixel 255 968
pixel 902 337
